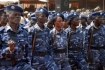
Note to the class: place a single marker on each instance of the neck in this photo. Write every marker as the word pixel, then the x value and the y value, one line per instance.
pixel 73 27
pixel 97 24
pixel 14 27
pixel 41 25
pixel 58 29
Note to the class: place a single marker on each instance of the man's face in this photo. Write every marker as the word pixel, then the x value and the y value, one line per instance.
pixel 98 19
pixel 14 17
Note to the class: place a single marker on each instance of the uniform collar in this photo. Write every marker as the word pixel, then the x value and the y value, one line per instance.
pixel 8 27
pixel 37 27
pixel 54 29
pixel 74 31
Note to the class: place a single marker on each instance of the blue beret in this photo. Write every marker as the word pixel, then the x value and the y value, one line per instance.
pixel 72 15
pixel 96 14
pixel 83 16
pixel 60 15
pixel 2 10
pixel 32 15
pixel 65 16
pixel 33 19
pixel 13 7
pixel 42 10
pixel 51 12
pixel 51 16
pixel 89 16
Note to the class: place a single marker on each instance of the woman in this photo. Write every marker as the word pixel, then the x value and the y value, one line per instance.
pixel 76 50
pixel 60 44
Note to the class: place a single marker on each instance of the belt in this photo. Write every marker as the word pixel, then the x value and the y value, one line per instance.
pixel 60 50
pixel 39 53
pixel 74 49
pixel 4 62
pixel 97 47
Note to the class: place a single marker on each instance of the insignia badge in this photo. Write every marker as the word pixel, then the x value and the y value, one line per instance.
pixel 74 13
pixel 41 10
pixel 12 7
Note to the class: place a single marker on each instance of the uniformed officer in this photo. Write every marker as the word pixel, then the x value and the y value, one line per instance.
pixel 60 43
pixel 95 40
pixel 42 52
pixel 76 51
pixel 15 51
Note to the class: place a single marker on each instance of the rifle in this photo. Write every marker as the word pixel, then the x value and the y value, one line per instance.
pixel 69 35
pixel 90 41
pixel 53 38
pixel 33 45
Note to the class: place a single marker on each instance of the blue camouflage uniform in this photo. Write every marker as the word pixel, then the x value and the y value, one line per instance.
pixel 19 58
pixel 97 48
pixel 96 55
pixel 76 50
pixel 60 49
pixel 42 54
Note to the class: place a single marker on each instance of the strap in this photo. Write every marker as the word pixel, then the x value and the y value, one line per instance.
pixel 33 44
pixel 53 37
pixel 68 40
pixel 90 41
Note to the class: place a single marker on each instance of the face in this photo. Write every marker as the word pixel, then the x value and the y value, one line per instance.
pixel 3 18
pixel 65 23
pixel 89 20
pixel 83 21
pixel 75 21
pixel 14 17
pixel 58 22
pixel 41 18
pixel 98 19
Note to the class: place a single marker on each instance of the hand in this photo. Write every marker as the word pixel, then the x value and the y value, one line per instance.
pixel 11 44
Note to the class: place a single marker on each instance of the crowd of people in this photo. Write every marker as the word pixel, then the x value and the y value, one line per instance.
pixel 47 40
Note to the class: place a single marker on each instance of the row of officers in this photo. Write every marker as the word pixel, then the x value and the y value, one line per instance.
pixel 68 41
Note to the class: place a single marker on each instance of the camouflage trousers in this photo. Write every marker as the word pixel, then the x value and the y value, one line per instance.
pixel 77 61
pixel 97 59
pixel 43 63
pixel 63 64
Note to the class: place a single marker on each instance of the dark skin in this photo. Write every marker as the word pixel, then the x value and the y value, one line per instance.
pixel 14 20
pixel 89 20
pixel 65 24
pixel 74 23
pixel 97 21
pixel 41 19
pixel 103 20
pixel 58 23
pixel 3 19
pixel 83 21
